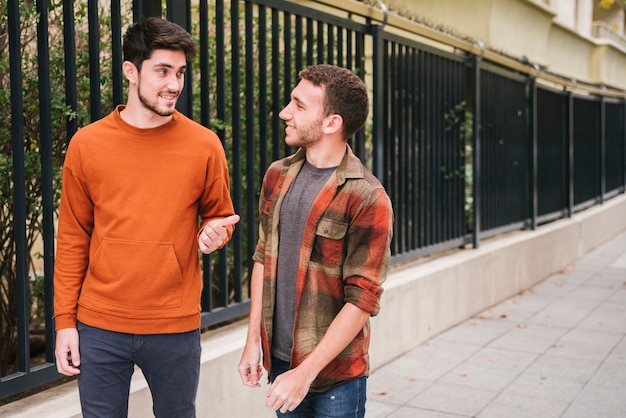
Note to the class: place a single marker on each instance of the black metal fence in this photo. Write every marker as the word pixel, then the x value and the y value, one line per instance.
pixel 466 148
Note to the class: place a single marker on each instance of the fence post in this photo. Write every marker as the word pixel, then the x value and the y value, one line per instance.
pixel 570 153
pixel 179 12
pixel 47 189
pixel 475 100
pixel 602 138
pixel 378 102
pixel 146 8
pixel 534 198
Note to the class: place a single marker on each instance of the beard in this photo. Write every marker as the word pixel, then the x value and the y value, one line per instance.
pixel 153 106
pixel 307 136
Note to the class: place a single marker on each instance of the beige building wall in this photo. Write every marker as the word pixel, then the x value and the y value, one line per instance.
pixel 561 36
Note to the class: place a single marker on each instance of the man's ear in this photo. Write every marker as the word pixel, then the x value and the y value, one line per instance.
pixel 130 71
pixel 333 124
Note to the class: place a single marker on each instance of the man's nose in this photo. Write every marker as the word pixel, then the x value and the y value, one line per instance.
pixel 285 114
pixel 175 82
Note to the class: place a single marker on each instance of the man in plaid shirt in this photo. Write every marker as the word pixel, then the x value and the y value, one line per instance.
pixel 321 258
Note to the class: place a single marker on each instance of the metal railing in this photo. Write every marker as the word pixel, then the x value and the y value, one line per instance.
pixel 466 146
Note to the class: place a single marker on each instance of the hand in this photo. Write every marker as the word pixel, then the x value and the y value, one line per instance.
pixel 66 352
pixel 288 391
pixel 214 234
pixel 250 369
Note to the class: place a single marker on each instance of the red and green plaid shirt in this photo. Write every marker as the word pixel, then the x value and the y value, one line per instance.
pixel 344 258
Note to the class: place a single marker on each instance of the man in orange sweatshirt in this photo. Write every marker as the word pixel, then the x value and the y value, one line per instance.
pixel 127 277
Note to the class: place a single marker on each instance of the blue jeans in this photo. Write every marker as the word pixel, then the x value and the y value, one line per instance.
pixel 169 362
pixel 344 401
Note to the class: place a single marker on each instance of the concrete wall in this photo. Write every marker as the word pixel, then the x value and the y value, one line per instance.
pixel 420 301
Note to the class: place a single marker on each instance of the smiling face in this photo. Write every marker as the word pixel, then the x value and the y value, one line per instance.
pixel 304 115
pixel 161 80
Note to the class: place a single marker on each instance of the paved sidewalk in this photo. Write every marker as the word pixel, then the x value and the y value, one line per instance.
pixel 556 350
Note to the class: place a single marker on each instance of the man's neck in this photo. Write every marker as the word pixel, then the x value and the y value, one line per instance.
pixel 326 154
pixel 138 116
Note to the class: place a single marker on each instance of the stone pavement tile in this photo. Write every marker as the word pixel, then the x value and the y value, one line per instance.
pixel 619 297
pixel 408 412
pixel 586 344
pixel 580 370
pixel 517 309
pixel 476 331
pixel 592 291
pixel 620 262
pixel 610 277
pixel 618 355
pixel 431 360
pixel 545 387
pixel 386 387
pixel 492 357
pixel 377 409
pixel 610 374
pixel 480 377
pixel 529 338
pixel 609 317
pixel 514 406
pixel 453 399
pixel 381 410
pixel 596 337
pixel 554 287
pixel 574 276
pixel 562 313
pixel 598 401
pixel 507 313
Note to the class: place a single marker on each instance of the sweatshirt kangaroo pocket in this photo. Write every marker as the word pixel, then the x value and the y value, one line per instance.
pixel 134 275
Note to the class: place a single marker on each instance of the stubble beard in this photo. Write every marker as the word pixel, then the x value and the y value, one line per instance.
pixel 308 136
pixel 151 106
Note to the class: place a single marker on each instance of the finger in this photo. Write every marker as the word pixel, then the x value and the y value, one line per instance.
pixel 74 357
pixel 254 375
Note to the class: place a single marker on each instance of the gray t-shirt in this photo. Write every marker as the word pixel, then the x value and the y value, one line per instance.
pixel 293 216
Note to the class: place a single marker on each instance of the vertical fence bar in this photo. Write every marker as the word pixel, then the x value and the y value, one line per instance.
pixel 69 46
pixel 378 78
pixel 94 61
pixel 276 93
pixel 179 12
pixel 570 153
pixel 45 146
pixel 251 132
pixel 146 8
pixel 116 52
pixel 534 191
pixel 476 161
pixel 602 139
pixel 235 94
pixel 205 86
pixel 263 112
pixel 19 191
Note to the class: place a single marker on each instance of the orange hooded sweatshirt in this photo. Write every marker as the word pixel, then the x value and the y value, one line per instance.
pixel 133 201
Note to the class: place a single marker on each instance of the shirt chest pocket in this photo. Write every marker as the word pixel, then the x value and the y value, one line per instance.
pixel 328 248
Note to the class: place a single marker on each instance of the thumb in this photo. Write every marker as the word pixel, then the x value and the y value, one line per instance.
pixel 74 356
pixel 229 220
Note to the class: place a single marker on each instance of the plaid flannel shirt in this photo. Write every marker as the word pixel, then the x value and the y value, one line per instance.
pixel 343 258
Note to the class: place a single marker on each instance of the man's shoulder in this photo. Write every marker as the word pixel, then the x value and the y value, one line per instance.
pixel 195 129
pixel 93 130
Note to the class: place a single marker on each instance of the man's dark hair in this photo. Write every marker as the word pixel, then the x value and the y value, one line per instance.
pixel 346 94
pixel 144 37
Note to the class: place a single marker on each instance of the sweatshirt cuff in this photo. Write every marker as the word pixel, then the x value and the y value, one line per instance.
pixel 65 321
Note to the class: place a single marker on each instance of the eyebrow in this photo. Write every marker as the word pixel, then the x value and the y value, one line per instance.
pixel 166 65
